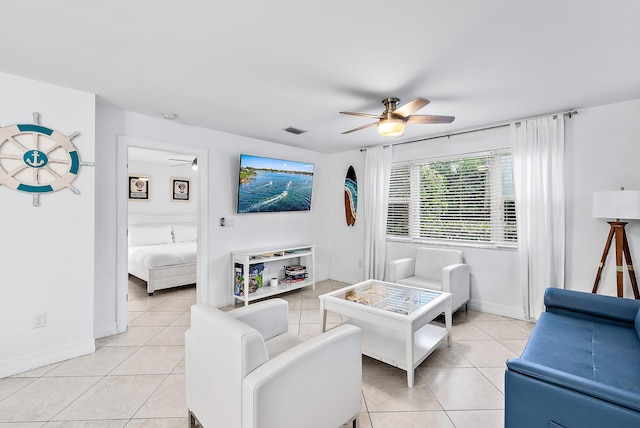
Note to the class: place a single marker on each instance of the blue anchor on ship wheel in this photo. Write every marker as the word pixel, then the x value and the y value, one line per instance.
pixel 35 158
pixel 51 155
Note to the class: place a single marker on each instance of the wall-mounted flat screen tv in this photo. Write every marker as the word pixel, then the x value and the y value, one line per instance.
pixel 274 185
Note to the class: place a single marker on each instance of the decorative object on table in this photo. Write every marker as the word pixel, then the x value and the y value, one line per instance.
pixel 617 204
pixel 350 196
pixel 180 189
pixel 139 187
pixel 35 159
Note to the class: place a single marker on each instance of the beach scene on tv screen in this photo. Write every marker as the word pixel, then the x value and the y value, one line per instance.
pixel 268 185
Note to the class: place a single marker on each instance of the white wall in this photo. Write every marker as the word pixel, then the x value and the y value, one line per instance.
pixel 603 149
pixel 47 252
pixel 160 194
pixel 248 230
pixel 347 242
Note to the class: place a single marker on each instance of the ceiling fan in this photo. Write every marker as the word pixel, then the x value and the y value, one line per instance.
pixel 183 162
pixel 392 121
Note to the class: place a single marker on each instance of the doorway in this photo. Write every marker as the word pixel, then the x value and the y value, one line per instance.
pixel 158 151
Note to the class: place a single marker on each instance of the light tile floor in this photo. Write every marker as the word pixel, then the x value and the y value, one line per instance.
pixel 136 379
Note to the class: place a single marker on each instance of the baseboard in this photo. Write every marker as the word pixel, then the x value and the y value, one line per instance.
pixel 105 330
pixel 45 357
pixel 346 278
pixel 322 276
pixel 492 308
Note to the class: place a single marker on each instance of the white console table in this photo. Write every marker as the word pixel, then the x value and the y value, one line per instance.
pixel 274 259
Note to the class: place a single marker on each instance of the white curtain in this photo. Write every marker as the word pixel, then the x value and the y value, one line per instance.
pixel 538 178
pixel 377 170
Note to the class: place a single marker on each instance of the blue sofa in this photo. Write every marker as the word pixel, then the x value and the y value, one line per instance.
pixel 581 366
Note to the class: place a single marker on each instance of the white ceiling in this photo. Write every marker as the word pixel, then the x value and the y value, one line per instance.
pixel 255 67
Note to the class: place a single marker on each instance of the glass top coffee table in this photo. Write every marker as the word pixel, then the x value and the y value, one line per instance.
pixel 394 320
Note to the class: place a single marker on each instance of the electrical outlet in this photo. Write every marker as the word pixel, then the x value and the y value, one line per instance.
pixel 39 320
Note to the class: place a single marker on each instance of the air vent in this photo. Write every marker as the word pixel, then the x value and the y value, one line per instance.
pixel 294 130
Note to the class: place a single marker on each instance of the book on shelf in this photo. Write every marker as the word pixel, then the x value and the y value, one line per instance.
pixel 294 272
pixel 255 278
pixel 238 280
pixel 288 281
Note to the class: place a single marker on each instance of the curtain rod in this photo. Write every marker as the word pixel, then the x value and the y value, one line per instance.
pixel 484 128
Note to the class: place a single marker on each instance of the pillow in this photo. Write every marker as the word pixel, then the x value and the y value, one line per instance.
pixel 149 235
pixel 185 233
pixel 637 324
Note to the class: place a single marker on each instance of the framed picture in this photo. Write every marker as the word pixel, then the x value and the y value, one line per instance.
pixel 139 187
pixel 180 189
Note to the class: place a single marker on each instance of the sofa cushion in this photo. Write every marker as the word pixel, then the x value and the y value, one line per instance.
pixel 414 281
pixel 599 352
pixel 637 324
pixel 283 342
pixel 430 261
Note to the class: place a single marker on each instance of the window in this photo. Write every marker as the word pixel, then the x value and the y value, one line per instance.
pixel 464 200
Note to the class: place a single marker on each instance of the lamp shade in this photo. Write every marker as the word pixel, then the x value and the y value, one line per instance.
pixel 391 127
pixel 617 204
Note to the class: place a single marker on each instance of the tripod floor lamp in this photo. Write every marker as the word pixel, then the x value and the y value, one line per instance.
pixel 617 204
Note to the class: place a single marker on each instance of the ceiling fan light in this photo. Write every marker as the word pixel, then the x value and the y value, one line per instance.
pixel 391 127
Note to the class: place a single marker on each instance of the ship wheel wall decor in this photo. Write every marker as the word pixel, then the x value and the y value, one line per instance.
pixel 35 159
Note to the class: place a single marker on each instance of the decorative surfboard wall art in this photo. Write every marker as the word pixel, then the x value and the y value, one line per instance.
pixel 35 159
pixel 351 196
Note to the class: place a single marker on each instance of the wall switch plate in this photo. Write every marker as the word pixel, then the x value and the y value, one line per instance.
pixel 39 320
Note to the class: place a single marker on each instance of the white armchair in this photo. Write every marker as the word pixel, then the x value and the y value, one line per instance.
pixel 434 269
pixel 244 369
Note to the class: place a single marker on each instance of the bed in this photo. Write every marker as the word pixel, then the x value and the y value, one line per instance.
pixel 162 253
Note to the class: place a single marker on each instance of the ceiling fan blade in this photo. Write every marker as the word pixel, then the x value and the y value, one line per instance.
pixel 372 116
pixel 411 107
pixel 360 127
pixel 180 164
pixel 179 160
pixel 430 119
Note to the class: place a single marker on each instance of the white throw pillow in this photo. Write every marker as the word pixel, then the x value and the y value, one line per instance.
pixel 185 233
pixel 150 235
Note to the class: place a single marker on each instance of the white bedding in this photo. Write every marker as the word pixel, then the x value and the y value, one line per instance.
pixel 153 256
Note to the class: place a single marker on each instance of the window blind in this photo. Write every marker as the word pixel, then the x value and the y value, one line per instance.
pixel 462 199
